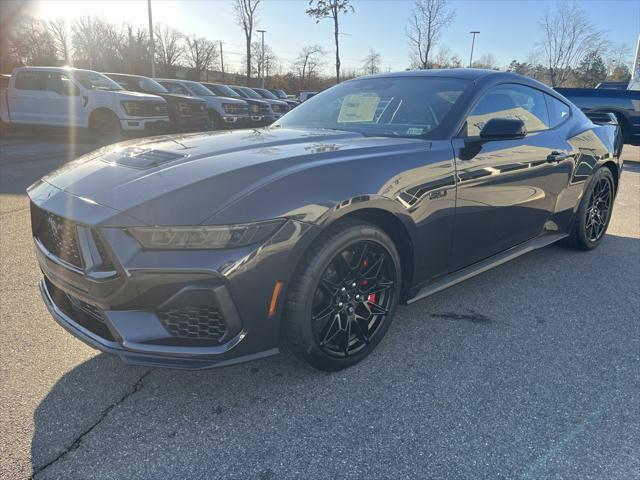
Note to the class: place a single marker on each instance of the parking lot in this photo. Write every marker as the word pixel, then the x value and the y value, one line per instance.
pixel 528 371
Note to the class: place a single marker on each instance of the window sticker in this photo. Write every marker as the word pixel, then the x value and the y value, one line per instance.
pixel 358 107
pixel 415 131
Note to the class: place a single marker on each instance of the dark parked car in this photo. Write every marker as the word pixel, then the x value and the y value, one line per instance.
pixel 186 114
pixel 275 108
pixel 613 85
pixel 209 250
pixel 624 104
pixel 282 95
pixel 260 113
pixel 269 95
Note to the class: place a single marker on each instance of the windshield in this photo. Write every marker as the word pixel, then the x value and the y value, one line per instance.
pixel 386 106
pixel 266 94
pixel 280 94
pixel 225 91
pixel 95 81
pixel 150 86
pixel 200 90
pixel 250 93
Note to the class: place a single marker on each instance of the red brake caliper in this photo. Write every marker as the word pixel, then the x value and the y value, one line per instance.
pixel 372 296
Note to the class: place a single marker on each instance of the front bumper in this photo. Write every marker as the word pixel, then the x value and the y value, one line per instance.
pixel 236 120
pixel 123 311
pixel 145 124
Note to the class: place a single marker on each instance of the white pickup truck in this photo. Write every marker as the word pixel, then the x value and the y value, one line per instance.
pixel 70 97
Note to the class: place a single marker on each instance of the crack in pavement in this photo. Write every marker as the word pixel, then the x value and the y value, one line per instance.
pixel 137 386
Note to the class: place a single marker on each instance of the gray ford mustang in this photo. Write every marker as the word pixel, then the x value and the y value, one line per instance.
pixel 208 249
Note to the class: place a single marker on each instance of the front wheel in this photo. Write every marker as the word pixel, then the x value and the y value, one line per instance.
pixel 594 212
pixel 343 297
pixel 105 127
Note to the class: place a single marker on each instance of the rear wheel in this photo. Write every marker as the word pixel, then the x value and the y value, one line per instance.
pixel 343 297
pixel 105 127
pixel 594 213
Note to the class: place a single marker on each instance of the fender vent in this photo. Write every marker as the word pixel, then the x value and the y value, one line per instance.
pixel 141 158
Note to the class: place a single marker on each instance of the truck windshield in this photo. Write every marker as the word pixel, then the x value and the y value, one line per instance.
pixel 95 81
pixel 280 94
pixel 151 86
pixel 225 91
pixel 250 93
pixel 386 106
pixel 199 90
pixel 266 94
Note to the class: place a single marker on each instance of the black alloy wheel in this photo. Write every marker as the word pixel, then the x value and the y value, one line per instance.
pixel 599 209
pixel 353 298
pixel 343 296
pixel 594 213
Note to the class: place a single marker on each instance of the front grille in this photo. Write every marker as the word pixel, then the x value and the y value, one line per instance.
pixel 60 237
pixel 235 109
pixel 278 108
pixel 194 322
pixel 263 109
pixel 147 109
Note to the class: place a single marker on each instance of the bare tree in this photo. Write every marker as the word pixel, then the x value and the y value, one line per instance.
pixel 372 62
pixel 92 40
pixel 568 35
pixel 246 17
pixel 60 35
pixel 487 61
pixel 169 48
pixel 32 42
pixel 263 64
pixel 308 62
pixel 201 54
pixel 428 19
pixel 331 9
pixel 618 56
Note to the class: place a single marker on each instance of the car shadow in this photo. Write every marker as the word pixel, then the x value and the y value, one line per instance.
pixel 431 355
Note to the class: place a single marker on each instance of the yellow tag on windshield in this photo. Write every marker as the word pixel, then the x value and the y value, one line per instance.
pixel 359 107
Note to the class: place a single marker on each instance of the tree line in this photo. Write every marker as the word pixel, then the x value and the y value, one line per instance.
pixel 572 51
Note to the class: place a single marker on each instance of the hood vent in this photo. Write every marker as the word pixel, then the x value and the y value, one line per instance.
pixel 141 158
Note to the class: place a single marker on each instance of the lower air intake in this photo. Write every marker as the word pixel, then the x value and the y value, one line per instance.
pixel 201 322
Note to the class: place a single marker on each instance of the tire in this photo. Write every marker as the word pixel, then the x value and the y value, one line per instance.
pixel 353 272
pixel 105 127
pixel 594 213
pixel 215 122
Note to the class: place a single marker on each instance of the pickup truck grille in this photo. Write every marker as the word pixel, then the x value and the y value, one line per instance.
pixel 147 109
pixel 279 108
pixel 234 109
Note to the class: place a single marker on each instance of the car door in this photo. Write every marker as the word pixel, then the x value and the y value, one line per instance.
pixel 27 96
pixel 62 105
pixel 507 189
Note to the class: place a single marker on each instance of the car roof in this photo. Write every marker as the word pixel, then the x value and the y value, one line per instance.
pixel 462 73
pixel 124 75
pixel 56 69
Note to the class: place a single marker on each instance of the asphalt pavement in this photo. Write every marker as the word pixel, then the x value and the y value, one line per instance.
pixel 529 371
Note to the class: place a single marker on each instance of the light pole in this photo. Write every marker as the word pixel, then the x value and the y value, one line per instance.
pixel 473 42
pixel 152 44
pixel 262 32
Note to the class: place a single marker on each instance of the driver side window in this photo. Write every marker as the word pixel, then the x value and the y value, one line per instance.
pixel 510 101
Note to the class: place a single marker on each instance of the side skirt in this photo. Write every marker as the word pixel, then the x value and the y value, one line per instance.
pixel 487 264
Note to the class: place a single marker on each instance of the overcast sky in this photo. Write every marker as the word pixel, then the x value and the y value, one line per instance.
pixel 509 28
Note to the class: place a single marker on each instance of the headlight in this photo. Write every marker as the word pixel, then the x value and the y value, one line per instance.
pixel 133 108
pixel 205 237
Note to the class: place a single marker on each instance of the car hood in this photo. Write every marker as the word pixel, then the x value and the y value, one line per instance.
pixel 181 98
pixel 128 95
pixel 185 179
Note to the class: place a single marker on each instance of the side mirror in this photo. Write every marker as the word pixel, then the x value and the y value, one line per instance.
pixel 503 129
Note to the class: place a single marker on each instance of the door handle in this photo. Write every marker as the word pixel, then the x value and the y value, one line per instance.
pixel 557 157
